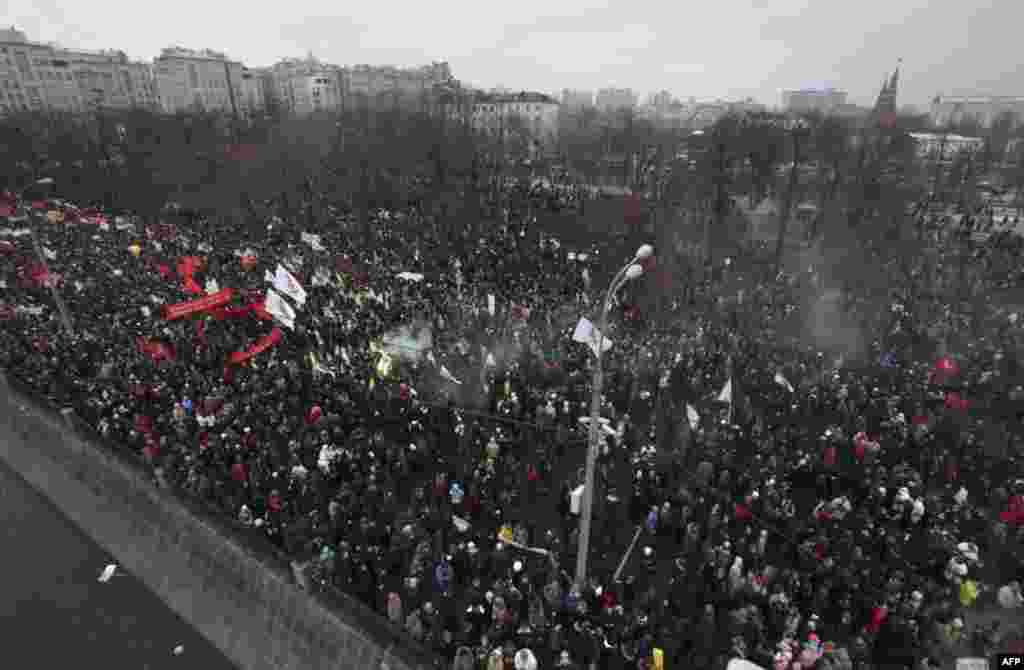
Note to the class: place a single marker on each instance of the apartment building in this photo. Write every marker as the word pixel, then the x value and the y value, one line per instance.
pixel 252 97
pixel 305 86
pixel 189 80
pixel 939 146
pixel 32 79
pixel 36 77
pixel 824 100
pixel 985 109
pixel 574 100
pixel 609 99
pixel 368 82
pixel 495 113
pixel 109 79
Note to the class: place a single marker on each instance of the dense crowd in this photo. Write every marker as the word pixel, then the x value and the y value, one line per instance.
pixel 856 512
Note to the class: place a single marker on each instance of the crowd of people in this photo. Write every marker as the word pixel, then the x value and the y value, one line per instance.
pixel 414 437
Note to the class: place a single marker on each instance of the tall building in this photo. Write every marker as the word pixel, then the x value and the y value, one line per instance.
pixel 37 77
pixel 498 113
pixel 572 99
pixel 33 79
pixel 109 79
pixel 253 95
pixel 305 86
pixel 982 109
pixel 371 81
pixel 190 80
pixel 885 106
pixel 615 98
pixel 824 101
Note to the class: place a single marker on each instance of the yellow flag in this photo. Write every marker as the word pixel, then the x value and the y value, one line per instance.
pixel 384 365
pixel 968 593
pixel 659 659
pixel 372 383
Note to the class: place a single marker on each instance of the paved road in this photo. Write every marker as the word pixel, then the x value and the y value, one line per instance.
pixel 54 612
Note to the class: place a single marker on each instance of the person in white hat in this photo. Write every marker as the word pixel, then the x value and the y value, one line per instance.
pixel 1009 596
pixel 525 660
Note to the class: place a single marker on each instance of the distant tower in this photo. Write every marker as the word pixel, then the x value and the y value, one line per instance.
pixel 885 106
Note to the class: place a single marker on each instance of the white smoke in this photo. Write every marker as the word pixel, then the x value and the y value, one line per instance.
pixel 409 342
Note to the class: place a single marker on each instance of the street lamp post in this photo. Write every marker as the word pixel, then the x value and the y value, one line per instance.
pixel 62 308
pixel 797 128
pixel 629 271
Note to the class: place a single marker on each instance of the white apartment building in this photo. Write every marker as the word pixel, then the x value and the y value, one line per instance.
pixel 983 109
pixel 494 114
pixel 109 79
pixel 305 86
pixel 36 77
pixel 197 80
pixel 371 81
pixel 31 78
pixel 936 146
pixel 824 101
pixel 252 98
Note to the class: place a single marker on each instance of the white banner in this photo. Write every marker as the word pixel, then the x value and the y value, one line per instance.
pixel 278 308
pixel 286 283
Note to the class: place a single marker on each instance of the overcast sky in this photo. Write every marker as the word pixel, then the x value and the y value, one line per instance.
pixel 721 49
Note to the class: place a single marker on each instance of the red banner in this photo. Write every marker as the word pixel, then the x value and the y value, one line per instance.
pixel 261 345
pixel 154 349
pixel 256 308
pixel 213 301
pixel 187 266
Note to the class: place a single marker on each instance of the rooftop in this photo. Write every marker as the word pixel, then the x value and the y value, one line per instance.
pixel 198 54
pixel 521 96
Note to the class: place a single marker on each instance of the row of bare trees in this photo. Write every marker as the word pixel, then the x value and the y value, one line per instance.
pixel 366 157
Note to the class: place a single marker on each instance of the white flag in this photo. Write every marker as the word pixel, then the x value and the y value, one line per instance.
pixel 410 276
pixel 286 283
pixel 490 304
pixel 313 241
pixel 726 394
pixel 107 573
pixel 691 414
pixel 212 286
pixel 267 277
pixel 782 381
pixel 50 254
pixel 589 335
pixel 278 308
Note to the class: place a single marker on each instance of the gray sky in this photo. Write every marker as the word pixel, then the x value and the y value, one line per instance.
pixel 721 49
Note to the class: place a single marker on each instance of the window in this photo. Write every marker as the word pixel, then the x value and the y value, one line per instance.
pixel 193 75
pixel 127 79
pixel 23 65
